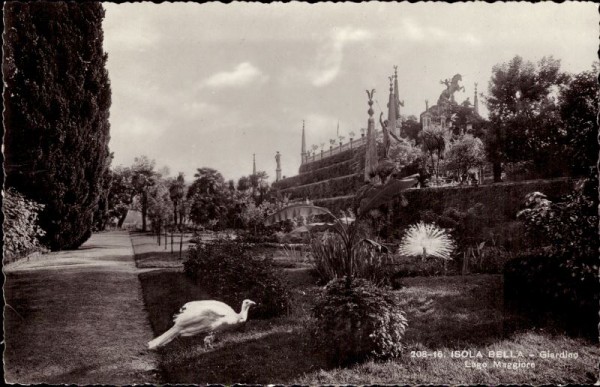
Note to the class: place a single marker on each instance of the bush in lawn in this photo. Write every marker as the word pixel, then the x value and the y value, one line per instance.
pixel 328 260
pixel 21 225
pixel 357 320
pixel 230 273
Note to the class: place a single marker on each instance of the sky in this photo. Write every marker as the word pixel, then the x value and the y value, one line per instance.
pixel 209 85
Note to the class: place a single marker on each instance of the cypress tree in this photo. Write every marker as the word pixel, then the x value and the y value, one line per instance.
pixel 57 98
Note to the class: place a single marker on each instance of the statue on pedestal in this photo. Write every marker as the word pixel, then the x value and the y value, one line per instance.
pixel 278 169
pixel 452 86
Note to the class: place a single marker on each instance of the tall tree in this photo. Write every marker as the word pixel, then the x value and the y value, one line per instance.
pixel 524 120
pixel 260 185
pixel 434 141
pixel 121 193
pixel 578 110
pixel 176 192
pixel 143 177
pixel 465 152
pixel 159 204
pixel 57 98
pixel 208 196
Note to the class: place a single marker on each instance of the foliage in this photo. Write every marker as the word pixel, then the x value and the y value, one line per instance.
pixel 328 260
pixel 434 141
pixel 177 195
pixel 369 198
pixel 541 287
pixel 22 232
pixel 426 240
pixel 160 205
pixel 569 227
pixel 121 193
pixel 56 98
pixel 229 272
pixel 524 114
pixel 404 154
pixel 411 129
pixel 209 198
pixel 243 183
pixel 561 275
pixel 359 321
pixel 101 214
pixel 465 152
pixel 578 110
pixel 259 185
pixel 253 216
pixel 407 266
pixel 143 177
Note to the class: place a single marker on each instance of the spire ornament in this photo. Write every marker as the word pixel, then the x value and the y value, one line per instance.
pixel 303 154
pixel 371 148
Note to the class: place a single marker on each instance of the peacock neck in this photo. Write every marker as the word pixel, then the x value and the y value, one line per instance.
pixel 244 313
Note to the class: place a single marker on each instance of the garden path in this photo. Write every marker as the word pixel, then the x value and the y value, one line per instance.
pixel 77 317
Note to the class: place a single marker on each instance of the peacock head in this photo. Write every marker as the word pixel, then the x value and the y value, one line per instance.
pixel 246 304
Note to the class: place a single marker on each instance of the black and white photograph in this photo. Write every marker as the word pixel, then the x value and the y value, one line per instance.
pixel 300 194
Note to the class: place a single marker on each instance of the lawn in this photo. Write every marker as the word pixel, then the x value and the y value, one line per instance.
pixel 93 337
pixel 444 313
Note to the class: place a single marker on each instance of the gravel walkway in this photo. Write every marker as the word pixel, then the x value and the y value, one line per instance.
pixel 77 317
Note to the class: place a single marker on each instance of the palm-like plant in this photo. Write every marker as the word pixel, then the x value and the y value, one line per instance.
pixel 369 199
pixel 427 240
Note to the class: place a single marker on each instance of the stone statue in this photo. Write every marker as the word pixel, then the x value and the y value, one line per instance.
pixel 386 135
pixel 278 160
pixel 452 86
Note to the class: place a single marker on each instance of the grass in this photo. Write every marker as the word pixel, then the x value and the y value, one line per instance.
pixel 148 254
pixel 444 313
pixel 57 338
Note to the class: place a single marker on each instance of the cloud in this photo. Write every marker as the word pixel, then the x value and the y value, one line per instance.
pixel 412 30
pixel 331 55
pixel 244 74
pixel 419 32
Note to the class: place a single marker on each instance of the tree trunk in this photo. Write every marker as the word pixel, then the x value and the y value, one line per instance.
pixel 175 212
pixel 497 170
pixel 144 209
pixel 122 219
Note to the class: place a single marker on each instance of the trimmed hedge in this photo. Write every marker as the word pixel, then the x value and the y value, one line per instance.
pixel 330 160
pixel 231 272
pixel 336 204
pixel 501 201
pixel 325 189
pixel 344 168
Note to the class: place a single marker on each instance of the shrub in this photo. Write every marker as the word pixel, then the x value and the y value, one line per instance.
pixel 229 272
pixel 21 225
pixel 328 260
pixel 406 266
pixel 486 259
pixel 559 278
pixel 356 320
pixel 540 286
